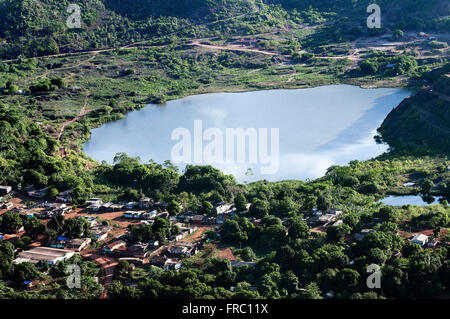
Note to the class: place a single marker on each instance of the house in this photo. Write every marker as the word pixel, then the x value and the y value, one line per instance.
pixel 239 264
pixel 5 190
pixel 131 260
pixel 8 205
pixel 28 213
pixel 178 250
pixel 420 239
pixel 160 261
pixel 48 254
pixel 334 212
pixel 187 249
pixel 153 244
pixel 65 196
pixel 92 201
pixel 107 207
pixel 433 243
pixel 327 218
pixel 197 219
pixel 100 232
pixel 59 242
pixel 144 202
pixel 113 246
pixel 176 237
pixel 92 220
pixel 338 222
pixel 94 207
pixel 38 193
pixel 78 244
pixel 222 207
pixel 138 250
pixel 362 234
pixel 134 215
pixel 151 215
pixel 131 205
pixel 172 265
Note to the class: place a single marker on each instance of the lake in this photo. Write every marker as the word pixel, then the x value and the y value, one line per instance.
pixel 298 133
pixel 415 200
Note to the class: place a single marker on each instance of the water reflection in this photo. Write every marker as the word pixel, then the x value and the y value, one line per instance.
pixel 318 127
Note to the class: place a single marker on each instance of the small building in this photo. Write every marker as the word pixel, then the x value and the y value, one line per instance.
pixel 113 246
pixel 131 205
pixel 78 244
pixel 176 237
pixel 197 219
pixel 172 265
pixel 134 215
pixel 151 215
pixel 59 242
pixel 47 254
pixel 420 239
pixel 222 207
pixel 160 261
pixel 38 193
pixel 362 234
pixel 8 205
pixel 5 190
pixel 91 201
pixel 94 207
pixel 65 197
pixel 138 250
pixel 100 232
pixel 153 244
pixel 145 202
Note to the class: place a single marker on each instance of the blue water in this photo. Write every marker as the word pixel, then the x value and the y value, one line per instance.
pixel 318 127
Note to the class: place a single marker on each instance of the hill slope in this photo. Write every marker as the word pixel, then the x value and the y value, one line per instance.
pixel 421 124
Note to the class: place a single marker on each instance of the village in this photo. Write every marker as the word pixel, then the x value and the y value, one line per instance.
pixel 109 241
pixel 108 228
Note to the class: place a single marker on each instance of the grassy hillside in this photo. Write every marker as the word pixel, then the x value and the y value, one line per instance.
pixel 38 27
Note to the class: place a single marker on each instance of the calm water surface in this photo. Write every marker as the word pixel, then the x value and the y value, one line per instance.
pixel 318 127
pixel 415 200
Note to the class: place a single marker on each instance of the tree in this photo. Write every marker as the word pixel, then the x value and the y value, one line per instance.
pixel 312 291
pixel 52 192
pixel 25 271
pixel 427 186
pixel 240 202
pixel 173 208
pixel 6 257
pixel 298 229
pixel 397 35
pixel 338 233
pixel 34 227
pixel 388 214
pixel 259 208
pixel 208 209
pixel 10 222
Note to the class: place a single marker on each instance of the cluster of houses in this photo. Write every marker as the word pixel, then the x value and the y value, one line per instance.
pixel 325 218
pixel 97 205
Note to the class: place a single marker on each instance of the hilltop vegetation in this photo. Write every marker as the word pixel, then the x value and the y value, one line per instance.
pixel 36 28
pixel 421 124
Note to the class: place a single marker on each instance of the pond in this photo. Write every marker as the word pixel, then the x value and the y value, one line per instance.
pixel 415 200
pixel 285 134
